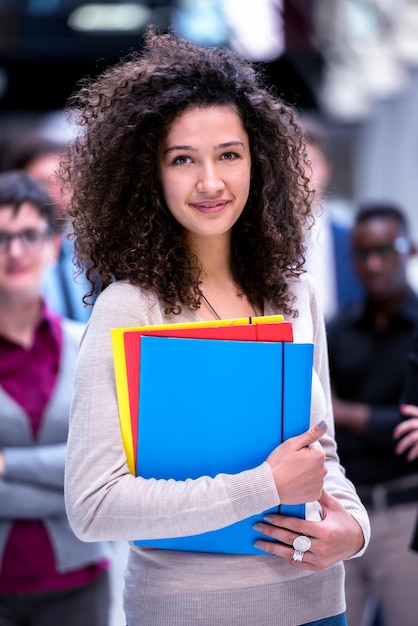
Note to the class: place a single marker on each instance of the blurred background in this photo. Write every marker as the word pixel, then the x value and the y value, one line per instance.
pixel 352 62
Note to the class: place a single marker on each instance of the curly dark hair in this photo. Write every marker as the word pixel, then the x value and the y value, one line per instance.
pixel 122 226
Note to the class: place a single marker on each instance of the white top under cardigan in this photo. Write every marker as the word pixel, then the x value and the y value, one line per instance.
pixel 105 502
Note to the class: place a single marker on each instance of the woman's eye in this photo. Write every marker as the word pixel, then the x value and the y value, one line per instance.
pixel 229 156
pixel 181 160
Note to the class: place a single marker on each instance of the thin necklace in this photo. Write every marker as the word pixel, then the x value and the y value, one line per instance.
pixel 218 317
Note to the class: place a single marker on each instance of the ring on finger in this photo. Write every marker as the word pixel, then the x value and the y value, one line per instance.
pixel 297 556
pixel 302 543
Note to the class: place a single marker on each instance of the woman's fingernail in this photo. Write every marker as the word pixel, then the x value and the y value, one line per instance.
pixel 258 527
pixel 268 519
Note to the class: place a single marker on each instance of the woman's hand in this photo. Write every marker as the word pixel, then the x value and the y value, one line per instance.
pixel 407 432
pixel 298 466
pixel 335 538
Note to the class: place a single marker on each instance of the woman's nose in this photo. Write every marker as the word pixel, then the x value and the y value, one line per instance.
pixel 209 180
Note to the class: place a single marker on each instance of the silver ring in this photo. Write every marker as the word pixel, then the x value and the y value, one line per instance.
pixel 297 556
pixel 301 544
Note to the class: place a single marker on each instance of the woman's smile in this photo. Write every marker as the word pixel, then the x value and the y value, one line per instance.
pixel 210 208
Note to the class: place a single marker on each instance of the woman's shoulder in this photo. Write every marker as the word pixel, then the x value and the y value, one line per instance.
pixel 304 288
pixel 303 281
pixel 306 303
pixel 125 304
pixel 122 289
pixel 124 293
pixel 122 300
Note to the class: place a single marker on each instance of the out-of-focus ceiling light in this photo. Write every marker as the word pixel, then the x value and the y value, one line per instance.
pixel 96 17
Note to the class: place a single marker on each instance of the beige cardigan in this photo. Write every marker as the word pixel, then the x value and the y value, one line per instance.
pixel 105 502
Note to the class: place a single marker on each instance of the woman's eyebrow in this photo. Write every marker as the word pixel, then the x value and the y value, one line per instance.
pixel 171 148
pixel 227 144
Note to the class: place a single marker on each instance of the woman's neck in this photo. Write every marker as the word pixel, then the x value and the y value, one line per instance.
pixel 214 254
pixel 221 295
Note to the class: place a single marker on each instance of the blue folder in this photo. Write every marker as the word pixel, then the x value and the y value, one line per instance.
pixel 208 407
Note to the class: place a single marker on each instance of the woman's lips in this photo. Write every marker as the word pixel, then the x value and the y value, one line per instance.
pixel 214 206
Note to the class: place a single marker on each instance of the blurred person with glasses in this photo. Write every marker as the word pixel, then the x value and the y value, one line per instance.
pixel 47 575
pixel 63 287
pixel 368 344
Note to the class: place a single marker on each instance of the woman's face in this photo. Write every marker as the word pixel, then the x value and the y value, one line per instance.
pixel 205 170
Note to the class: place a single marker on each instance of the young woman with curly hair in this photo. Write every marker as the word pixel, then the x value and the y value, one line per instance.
pixel 189 200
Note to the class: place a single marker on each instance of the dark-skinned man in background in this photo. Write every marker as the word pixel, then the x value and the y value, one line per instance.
pixel 368 345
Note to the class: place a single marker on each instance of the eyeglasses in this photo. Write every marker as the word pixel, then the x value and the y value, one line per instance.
pixel 30 239
pixel 385 252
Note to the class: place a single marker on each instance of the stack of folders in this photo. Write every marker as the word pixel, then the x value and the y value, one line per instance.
pixel 206 398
